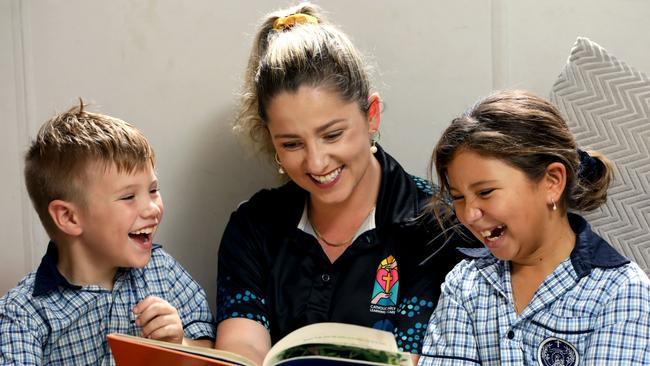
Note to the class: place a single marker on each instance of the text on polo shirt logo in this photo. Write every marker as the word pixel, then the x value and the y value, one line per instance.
pixel 384 293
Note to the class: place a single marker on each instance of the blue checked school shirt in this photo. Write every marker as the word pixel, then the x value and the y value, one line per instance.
pixel 45 320
pixel 594 309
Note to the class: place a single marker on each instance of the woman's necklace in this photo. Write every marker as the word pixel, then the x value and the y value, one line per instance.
pixel 340 244
pixel 329 243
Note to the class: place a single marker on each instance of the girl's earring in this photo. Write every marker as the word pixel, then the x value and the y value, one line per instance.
pixel 554 205
pixel 277 161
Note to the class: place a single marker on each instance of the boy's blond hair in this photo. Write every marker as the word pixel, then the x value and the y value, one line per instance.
pixel 65 147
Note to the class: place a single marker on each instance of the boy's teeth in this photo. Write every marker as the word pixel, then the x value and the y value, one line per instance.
pixel 148 230
pixel 323 179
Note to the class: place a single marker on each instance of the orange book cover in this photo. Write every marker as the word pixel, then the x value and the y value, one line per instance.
pixel 130 350
pixel 323 344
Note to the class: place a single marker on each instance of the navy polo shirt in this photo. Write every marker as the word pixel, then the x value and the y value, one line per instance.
pixel 274 273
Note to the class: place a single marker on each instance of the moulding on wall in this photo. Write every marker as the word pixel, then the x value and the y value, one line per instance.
pixel 500 54
pixel 33 234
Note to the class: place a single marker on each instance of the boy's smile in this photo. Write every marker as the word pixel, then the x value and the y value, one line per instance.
pixel 144 236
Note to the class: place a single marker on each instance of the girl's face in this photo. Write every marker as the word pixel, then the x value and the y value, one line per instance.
pixel 499 204
pixel 323 143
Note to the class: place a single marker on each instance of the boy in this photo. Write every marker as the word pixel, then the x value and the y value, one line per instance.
pixel 91 179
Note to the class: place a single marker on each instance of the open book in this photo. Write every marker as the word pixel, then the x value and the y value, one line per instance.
pixel 316 344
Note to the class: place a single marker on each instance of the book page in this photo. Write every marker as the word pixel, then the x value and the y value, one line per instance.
pixel 327 353
pixel 334 334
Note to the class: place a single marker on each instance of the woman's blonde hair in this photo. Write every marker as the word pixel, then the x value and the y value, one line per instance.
pixel 315 54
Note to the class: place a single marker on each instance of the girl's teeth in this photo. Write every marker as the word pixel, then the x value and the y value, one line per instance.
pixel 490 234
pixel 324 179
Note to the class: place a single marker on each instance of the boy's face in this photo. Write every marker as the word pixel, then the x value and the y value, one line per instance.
pixel 120 216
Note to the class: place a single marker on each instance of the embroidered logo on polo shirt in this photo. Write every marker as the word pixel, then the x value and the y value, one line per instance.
pixel 557 352
pixel 384 293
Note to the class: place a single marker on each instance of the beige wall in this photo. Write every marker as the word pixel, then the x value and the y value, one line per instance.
pixel 173 69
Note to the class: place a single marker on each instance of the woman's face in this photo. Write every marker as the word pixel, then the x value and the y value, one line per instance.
pixel 322 142
pixel 499 204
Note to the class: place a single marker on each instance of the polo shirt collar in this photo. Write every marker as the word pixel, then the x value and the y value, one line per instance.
pixel 591 251
pixel 306 226
pixel 48 277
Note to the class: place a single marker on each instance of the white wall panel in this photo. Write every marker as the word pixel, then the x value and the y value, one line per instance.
pixel 541 34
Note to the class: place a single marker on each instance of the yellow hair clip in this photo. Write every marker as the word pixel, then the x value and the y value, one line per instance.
pixel 287 22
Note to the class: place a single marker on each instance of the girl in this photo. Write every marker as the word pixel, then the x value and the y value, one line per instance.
pixel 545 289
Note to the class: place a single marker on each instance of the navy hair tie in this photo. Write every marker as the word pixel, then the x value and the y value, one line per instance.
pixel 590 168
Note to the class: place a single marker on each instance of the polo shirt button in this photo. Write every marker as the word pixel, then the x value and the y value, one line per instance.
pixel 511 335
pixel 325 277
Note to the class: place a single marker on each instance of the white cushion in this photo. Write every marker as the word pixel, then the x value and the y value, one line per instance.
pixel 607 106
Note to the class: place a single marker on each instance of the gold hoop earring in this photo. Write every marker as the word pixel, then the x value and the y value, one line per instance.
pixel 277 161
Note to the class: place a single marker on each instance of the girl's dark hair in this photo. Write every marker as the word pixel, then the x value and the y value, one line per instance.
pixel 528 133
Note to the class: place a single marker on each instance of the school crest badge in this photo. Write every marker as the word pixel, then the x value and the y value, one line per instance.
pixel 557 352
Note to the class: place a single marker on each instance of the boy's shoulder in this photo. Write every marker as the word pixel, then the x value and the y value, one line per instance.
pixel 21 295
pixel 20 307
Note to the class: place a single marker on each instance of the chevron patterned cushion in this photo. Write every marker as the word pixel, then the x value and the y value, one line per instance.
pixel 607 106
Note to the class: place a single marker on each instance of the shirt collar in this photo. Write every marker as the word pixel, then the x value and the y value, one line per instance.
pixel 306 226
pixel 48 277
pixel 591 251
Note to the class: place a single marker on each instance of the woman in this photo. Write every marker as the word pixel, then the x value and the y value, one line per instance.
pixel 346 239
